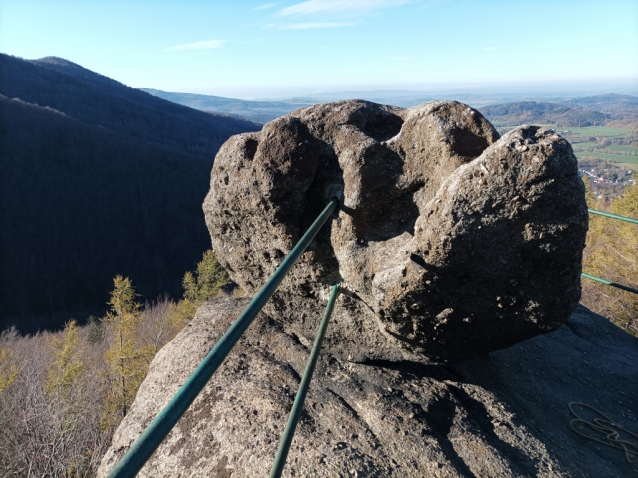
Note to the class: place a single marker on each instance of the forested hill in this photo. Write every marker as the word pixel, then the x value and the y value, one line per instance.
pixel 260 111
pixel 533 112
pixel 606 103
pixel 95 99
pixel 96 179
pixel 586 111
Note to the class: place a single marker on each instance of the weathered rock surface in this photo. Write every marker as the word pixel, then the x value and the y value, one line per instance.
pixel 499 416
pixel 452 241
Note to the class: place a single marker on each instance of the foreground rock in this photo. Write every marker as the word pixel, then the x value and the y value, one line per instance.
pixel 505 415
pixel 452 241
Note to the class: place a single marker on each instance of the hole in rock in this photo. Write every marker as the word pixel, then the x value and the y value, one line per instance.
pixel 251 148
pixel 379 124
pixel 466 143
pixel 418 260
pixel 388 209
pixel 383 220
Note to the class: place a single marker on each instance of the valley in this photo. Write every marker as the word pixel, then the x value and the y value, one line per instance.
pixel 603 129
pixel 101 179
pixel 96 179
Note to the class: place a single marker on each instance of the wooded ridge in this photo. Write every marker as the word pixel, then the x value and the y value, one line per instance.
pixel 97 179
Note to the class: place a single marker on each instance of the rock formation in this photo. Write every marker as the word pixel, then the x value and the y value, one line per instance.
pixel 504 415
pixel 451 241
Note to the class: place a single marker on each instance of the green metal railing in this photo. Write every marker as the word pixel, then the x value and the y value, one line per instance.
pixel 613 216
pixel 605 281
pixel 133 461
pixel 613 284
pixel 295 413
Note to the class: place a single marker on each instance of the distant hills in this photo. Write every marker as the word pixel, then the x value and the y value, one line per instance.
pixel 606 103
pixel 263 111
pixel 586 111
pixel 259 111
pixel 534 112
pixel 99 179
pixel 96 179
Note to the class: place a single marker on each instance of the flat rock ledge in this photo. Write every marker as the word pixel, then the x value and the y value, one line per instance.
pixel 500 415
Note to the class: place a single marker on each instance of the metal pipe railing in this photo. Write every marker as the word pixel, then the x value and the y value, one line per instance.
pixel 297 407
pixel 133 461
pixel 613 216
pixel 599 279
pixel 607 282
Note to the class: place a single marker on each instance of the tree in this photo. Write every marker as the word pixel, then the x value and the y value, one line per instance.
pixel 50 413
pixel 156 326
pixel 612 253
pixel 208 280
pixel 189 284
pixel 8 369
pixel 127 363
pixel 67 367
pixel 96 330
pixel 211 278
pixel 589 194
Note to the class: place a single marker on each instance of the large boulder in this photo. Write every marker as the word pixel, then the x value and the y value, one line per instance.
pixel 450 241
pixel 500 416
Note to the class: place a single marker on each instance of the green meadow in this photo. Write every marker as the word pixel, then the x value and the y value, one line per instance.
pixel 616 158
pixel 607 131
pixel 624 155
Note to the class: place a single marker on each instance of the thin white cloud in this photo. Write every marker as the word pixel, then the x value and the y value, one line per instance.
pixel 198 45
pixel 324 6
pixel 265 6
pixel 304 26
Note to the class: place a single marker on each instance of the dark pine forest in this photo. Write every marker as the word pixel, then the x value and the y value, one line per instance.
pixel 96 179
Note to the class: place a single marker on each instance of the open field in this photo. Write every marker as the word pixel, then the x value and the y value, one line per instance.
pixel 624 155
pixel 606 131
pixel 616 158
pixel 621 148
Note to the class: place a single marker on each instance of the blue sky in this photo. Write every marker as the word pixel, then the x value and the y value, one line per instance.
pixel 265 48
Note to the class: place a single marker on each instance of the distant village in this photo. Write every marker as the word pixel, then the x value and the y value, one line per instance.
pixel 606 179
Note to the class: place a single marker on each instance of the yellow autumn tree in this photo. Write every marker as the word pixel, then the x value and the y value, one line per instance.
pixel 127 363
pixel 211 277
pixel 612 253
pixel 207 281
pixel 8 369
pixel 67 366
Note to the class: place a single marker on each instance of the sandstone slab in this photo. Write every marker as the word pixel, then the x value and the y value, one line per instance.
pixel 504 415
